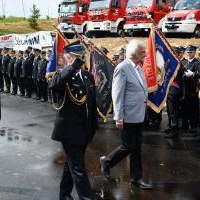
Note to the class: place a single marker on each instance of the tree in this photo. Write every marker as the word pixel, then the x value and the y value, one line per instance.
pixel 33 20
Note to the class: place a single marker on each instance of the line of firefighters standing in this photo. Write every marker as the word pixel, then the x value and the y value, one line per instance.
pixel 24 71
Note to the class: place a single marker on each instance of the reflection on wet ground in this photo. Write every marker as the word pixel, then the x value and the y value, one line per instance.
pixel 31 163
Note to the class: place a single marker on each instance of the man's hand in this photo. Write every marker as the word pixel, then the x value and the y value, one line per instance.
pixel 119 124
pixel 189 73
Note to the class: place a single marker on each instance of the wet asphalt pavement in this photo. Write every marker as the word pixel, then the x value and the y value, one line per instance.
pixel 31 163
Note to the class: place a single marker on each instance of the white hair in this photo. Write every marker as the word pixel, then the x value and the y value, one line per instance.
pixel 133 47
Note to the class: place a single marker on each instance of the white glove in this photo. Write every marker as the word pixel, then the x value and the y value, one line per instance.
pixel 189 73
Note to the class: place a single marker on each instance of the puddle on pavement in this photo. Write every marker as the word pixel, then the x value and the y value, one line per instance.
pixel 11 134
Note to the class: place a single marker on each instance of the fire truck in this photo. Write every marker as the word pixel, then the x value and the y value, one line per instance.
pixel 185 18
pixel 72 13
pixel 106 16
pixel 139 12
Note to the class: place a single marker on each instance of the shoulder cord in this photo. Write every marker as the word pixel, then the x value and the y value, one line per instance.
pixel 74 99
pixel 71 96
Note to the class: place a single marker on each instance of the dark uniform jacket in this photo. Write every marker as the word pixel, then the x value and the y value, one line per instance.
pixel 26 69
pixel 1 57
pixel 18 67
pixel 5 62
pixel 11 67
pixel 191 83
pixel 42 65
pixel 75 124
pixel 35 67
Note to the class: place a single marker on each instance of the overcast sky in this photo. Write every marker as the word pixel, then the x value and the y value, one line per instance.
pixel 14 7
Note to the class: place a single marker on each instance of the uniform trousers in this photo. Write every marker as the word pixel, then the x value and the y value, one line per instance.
pixel 131 136
pixel 7 81
pixel 74 173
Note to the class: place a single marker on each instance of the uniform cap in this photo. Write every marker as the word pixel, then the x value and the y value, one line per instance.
pixel 115 57
pixel 182 49
pixel 191 48
pixel 20 52
pixel 75 48
pixel 37 50
pixel 43 52
pixel 104 49
pixel 27 51
pixel 176 49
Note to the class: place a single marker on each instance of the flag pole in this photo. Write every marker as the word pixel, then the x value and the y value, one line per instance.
pixel 93 45
pixel 61 34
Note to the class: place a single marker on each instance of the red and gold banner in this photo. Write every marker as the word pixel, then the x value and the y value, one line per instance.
pixel 149 66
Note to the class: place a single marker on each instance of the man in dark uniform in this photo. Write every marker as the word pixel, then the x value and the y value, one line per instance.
pixel 17 71
pixel 104 50
pixel 11 69
pixel 26 74
pixel 42 65
pixel 1 74
pixel 5 61
pixel 31 59
pixel 174 98
pixel 76 121
pixel 198 53
pixel 190 108
pixel 34 74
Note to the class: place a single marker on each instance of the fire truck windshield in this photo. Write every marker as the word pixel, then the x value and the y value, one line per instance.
pixel 187 5
pixel 139 3
pixel 99 4
pixel 68 8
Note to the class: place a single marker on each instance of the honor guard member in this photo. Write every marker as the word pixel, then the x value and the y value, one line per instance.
pixel 42 65
pixel 1 75
pixel 190 108
pixel 76 121
pixel 26 74
pixel 182 53
pixel 5 61
pixel 34 74
pixel 17 72
pixel 174 100
pixel 11 69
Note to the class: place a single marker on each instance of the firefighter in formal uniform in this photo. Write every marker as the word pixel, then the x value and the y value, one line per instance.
pixel 5 62
pixel 190 108
pixel 76 121
pixel 42 65
pixel 174 99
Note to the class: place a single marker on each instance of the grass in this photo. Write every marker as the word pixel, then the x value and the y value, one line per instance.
pixel 19 25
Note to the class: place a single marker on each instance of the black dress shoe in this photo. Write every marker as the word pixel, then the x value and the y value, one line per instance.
pixel 141 184
pixel 6 91
pixel 13 93
pixel 1 90
pixel 27 96
pixel 21 95
pixel 37 98
pixel 105 170
pixel 67 198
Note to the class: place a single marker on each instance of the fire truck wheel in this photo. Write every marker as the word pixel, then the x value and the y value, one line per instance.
pixel 197 32
pixel 121 33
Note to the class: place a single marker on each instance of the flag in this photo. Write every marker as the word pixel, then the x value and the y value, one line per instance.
pixel 57 60
pixel 102 69
pixel 167 66
pixel 149 66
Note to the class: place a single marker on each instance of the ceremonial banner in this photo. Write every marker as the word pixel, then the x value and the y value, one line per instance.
pixel 167 66
pixel 57 60
pixel 149 66
pixel 102 69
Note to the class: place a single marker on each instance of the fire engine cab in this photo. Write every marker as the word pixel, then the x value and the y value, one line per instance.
pixel 138 12
pixel 72 13
pixel 106 16
pixel 185 18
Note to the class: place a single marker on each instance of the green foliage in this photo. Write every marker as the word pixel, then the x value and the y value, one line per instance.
pixel 33 20
pixel 12 19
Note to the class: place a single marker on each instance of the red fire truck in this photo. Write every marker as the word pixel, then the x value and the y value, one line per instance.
pixel 138 12
pixel 106 16
pixel 73 13
pixel 185 18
